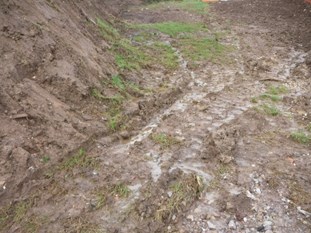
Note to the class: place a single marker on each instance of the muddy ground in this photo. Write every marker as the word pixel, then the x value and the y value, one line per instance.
pixel 221 144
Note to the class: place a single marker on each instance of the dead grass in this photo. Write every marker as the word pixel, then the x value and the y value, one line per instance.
pixel 184 192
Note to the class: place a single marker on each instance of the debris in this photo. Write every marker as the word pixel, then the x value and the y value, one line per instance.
pixel 211 226
pixel 232 225
pixel 20 116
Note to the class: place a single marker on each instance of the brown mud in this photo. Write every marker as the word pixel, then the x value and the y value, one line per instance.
pixel 215 146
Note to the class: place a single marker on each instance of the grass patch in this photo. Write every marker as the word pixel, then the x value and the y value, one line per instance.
pixel 270 110
pixel 308 127
pixel 173 29
pixel 203 49
pixel 129 57
pixel 301 137
pixel 183 193
pixel 79 160
pixel 104 194
pixel 17 214
pixel 45 159
pixel 272 97
pixel 164 140
pixel 118 82
pixel 193 6
pixel 165 56
pixel 277 90
pixel 107 30
pixel 120 190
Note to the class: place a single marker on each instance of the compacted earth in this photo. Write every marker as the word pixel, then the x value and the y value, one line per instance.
pixel 155 116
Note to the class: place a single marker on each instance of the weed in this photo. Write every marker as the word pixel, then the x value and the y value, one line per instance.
pixel 165 56
pixel 79 160
pixel 270 110
pixel 120 190
pixel 308 127
pixel 45 159
pixel 164 140
pixel 300 137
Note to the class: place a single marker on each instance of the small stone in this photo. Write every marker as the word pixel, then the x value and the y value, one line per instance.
pixel 211 226
pixel 232 225
pixel 169 194
pixel 190 217
pixel 125 134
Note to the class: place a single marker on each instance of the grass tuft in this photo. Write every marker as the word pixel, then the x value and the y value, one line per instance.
pixel 164 140
pixel 270 110
pixel 301 137
pixel 183 193
pixel 79 160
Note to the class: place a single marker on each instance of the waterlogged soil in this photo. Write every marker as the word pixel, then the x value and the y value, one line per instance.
pixel 218 152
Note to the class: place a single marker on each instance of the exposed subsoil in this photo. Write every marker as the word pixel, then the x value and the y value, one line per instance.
pixel 226 165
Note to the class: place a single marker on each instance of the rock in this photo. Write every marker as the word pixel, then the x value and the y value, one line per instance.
pixel 125 134
pixel 211 226
pixel 190 217
pixel 169 193
pixel 232 225
pixel 261 228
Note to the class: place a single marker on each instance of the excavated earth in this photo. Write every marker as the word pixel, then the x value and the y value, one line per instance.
pixel 204 151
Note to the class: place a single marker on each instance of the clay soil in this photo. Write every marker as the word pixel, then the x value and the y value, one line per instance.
pixel 218 145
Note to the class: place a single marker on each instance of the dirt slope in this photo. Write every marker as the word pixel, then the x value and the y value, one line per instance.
pixel 90 142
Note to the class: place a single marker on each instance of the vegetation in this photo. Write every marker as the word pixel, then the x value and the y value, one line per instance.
pixel 173 29
pixel 300 137
pixel 164 140
pixel 270 109
pixel 79 160
pixel 193 6
pixel 183 193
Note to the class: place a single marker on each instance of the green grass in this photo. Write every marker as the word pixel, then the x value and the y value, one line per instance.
pixel 164 140
pixel 203 49
pixel 108 31
pixel 118 82
pixel 79 160
pixel 270 109
pixel 272 97
pixel 18 214
pixel 165 56
pixel 173 29
pixel 129 57
pixel 45 159
pixel 301 137
pixel 277 90
pixel 120 190
pixel 193 6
